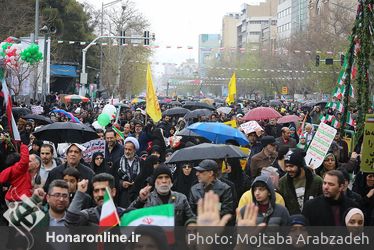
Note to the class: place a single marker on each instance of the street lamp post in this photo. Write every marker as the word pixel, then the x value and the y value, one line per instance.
pixel 103 6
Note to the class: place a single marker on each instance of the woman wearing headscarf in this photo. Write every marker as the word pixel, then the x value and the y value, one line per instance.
pixel 364 185
pixel 354 220
pixel 330 163
pixel 238 177
pixel 98 163
pixel 184 178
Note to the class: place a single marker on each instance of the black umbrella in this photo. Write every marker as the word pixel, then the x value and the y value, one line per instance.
pixel 275 103
pixel 197 113
pixel 19 112
pixel 197 105
pixel 176 103
pixel 175 111
pixel 122 105
pixel 206 151
pixel 42 120
pixel 60 132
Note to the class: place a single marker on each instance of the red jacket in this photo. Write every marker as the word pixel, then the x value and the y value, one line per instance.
pixel 19 177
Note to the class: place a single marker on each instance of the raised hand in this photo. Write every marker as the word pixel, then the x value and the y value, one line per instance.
pixel 208 211
pixel 83 186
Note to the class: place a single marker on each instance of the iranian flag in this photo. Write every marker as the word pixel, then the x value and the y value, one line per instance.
pixel 338 106
pixel 335 123
pixel 12 126
pixel 350 120
pixel 109 216
pixel 162 215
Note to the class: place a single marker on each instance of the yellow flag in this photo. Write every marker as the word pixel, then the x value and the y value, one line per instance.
pixel 231 123
pixel 152 105
pixel 232 90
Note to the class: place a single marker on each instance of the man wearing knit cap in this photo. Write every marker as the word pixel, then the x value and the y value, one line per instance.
pixel 265 158
pixel 162 182
pixel 299 184
pixel 128 170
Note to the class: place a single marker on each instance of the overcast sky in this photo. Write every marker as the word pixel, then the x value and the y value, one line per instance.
pixel 179 23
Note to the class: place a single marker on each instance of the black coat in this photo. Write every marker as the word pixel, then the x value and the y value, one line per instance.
pixel 324 216
pixel 57 173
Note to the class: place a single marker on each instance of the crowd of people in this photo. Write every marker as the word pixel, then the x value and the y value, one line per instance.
pixel 273 182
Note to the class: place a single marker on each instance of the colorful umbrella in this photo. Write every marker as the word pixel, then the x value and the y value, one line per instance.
pixel 76 98
pixel 261 113
pixel 137 100
pixel 218 132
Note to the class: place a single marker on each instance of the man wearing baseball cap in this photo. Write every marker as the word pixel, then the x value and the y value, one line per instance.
pixel 207 175
pixel 162 182
pixel 300 184
pixel 265 158
pixel 74 154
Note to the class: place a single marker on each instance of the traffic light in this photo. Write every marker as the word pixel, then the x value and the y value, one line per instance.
pixel 146 37
pixel 122 40
pixel 317 60
pixel 329 61
pixel 342 57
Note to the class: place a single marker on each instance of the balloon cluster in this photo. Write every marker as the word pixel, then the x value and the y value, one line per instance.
pixel 108 113
pixel 12 53
pixel 31 54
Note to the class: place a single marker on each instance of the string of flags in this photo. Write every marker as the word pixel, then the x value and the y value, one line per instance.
pixel 247 69
pixel 212 49
pixel 334 121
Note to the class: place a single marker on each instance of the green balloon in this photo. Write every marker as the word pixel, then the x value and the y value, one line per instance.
pixel 103 119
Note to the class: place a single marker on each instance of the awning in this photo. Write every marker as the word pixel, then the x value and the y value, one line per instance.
pixel 58 70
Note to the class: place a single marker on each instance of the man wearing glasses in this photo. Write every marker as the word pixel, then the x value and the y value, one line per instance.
pixel 58 202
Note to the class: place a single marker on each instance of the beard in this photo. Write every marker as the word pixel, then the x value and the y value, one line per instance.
pixel 130 155
pixel 163 189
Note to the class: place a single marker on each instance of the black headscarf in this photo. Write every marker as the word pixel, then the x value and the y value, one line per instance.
pixel 98 169
pixel 182 182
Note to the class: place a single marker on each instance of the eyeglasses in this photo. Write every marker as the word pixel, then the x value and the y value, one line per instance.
pixel 59 195
pixel 99 158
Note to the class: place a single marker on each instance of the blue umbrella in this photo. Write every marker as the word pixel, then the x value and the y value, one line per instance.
pixel 218 132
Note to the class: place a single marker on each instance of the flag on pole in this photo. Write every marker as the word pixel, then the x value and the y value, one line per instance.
pixel 118 132
pixel 109 216
pixel 152 105
pixel 232 90
pixel 12 126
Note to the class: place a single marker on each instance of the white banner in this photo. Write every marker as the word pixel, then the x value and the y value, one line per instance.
pixel 320 145
pixel 92 147
pixel 250 127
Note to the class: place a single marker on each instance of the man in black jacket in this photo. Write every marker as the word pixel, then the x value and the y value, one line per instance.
pixel 73 157
pixel 207 173
pixel 329 209
pixel 162 194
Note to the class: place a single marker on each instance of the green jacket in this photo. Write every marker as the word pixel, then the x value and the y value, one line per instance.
pixel 313 188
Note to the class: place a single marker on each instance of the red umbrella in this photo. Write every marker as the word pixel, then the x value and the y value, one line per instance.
pixel 288 119
pixel 261 113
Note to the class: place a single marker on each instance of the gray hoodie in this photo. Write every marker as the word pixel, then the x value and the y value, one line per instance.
pixel 276 215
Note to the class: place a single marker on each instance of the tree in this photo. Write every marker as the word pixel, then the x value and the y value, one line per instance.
pixel 124 66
